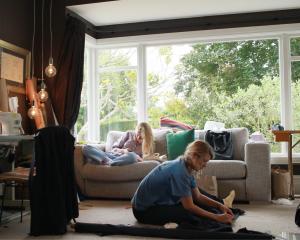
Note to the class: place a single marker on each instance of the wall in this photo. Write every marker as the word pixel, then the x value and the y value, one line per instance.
pixel 16 27
pixel 16 22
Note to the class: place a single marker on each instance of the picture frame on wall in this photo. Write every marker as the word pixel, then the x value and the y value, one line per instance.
pixel 14 63
pixel 14 69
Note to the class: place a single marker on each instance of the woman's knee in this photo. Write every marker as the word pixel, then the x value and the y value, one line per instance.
pixel 132 157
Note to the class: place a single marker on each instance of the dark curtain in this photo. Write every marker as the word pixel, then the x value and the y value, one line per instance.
pixel 52 189
pixel 67 85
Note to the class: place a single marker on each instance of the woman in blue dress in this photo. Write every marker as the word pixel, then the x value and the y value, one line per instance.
pixel 169 192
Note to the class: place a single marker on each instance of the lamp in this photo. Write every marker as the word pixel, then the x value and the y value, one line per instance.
pixel 50 70
pixel 33 111
pixel 43 95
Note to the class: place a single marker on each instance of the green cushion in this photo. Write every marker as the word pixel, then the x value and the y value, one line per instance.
pixel 177 142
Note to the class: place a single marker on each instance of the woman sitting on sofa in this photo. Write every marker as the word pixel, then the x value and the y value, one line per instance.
pixel 129 149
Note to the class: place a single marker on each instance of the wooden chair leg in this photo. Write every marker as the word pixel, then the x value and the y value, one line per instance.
pixel 2 202
pixel 22 200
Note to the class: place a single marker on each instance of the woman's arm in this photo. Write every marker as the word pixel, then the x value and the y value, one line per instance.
pixel 188 204
pixel 200 198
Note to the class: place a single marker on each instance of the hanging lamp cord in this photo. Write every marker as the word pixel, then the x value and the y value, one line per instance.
pixel 50 27
pixel 32 43
pixel 43 3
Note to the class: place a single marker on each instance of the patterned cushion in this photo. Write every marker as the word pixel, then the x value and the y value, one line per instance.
pixel 167 122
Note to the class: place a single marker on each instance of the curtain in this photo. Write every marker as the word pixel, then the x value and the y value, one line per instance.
pixel 67 85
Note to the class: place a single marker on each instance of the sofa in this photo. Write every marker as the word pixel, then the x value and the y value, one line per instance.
pixel 249 174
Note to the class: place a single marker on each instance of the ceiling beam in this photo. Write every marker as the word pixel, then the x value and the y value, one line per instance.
pixel 199 23
pixel 191 24
pixel 80 2
pixel 90 28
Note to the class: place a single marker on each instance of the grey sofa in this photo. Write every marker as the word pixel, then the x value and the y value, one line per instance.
pixel 249 174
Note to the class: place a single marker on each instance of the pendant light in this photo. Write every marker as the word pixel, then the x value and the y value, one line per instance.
pixel 32 110
pixel 43 95
pixel 50 70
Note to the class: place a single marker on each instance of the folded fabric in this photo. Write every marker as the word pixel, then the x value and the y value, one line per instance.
pixel 167 122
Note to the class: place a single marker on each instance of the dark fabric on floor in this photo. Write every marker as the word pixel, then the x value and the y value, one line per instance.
pixel 178 233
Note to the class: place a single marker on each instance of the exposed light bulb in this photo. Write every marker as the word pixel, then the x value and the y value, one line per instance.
pixel 32 112
pixel 43 95
pixel 50 70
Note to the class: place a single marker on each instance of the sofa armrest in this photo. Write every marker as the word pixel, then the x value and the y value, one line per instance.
pixel 101 146
pixel 258 181
pixel 79 163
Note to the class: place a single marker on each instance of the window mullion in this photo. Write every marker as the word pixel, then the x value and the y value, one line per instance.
pixel 295 58
pixel 285 79
pixel 141 84
pixel 92 117
pixel 116 69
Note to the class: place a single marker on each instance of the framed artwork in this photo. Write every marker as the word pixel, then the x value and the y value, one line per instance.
pixel 14 69
pixel 14 63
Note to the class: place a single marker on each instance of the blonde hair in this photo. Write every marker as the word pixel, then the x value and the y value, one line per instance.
pixel 147 135
pixel 198 147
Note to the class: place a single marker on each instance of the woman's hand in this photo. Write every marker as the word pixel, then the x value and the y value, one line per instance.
pixel 224 218
pixel 225 209
pixel 139 159
pixel 120 150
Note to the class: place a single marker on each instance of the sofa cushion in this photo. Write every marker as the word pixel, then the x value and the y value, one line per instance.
pixel 112 137
pixel 229 169
pixel 160 140
pixel 177 142
pixel 127 173
pixel 240 137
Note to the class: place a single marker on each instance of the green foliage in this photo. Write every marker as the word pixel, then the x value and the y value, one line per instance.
pixel 226 67
pixel 295 46
pixel 117 94
pixel 166 53
pixel 119 125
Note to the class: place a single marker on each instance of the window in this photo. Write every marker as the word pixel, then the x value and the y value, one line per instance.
pixel 233 82
pixel 117 76
pixel 161 79
pixel 295 86
pixel 243 77
pixel 81 123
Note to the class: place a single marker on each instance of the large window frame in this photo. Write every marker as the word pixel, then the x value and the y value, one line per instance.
pixel 281 32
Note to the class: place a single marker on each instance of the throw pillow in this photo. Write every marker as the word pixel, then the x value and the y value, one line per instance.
pixel 177 142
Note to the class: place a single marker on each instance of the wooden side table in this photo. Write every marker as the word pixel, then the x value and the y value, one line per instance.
pixel 287 136
pixel 18 177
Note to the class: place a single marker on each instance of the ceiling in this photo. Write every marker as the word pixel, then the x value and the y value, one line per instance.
pixel 131 11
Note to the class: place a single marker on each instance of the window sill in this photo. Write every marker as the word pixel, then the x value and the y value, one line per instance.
pixel 281 158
